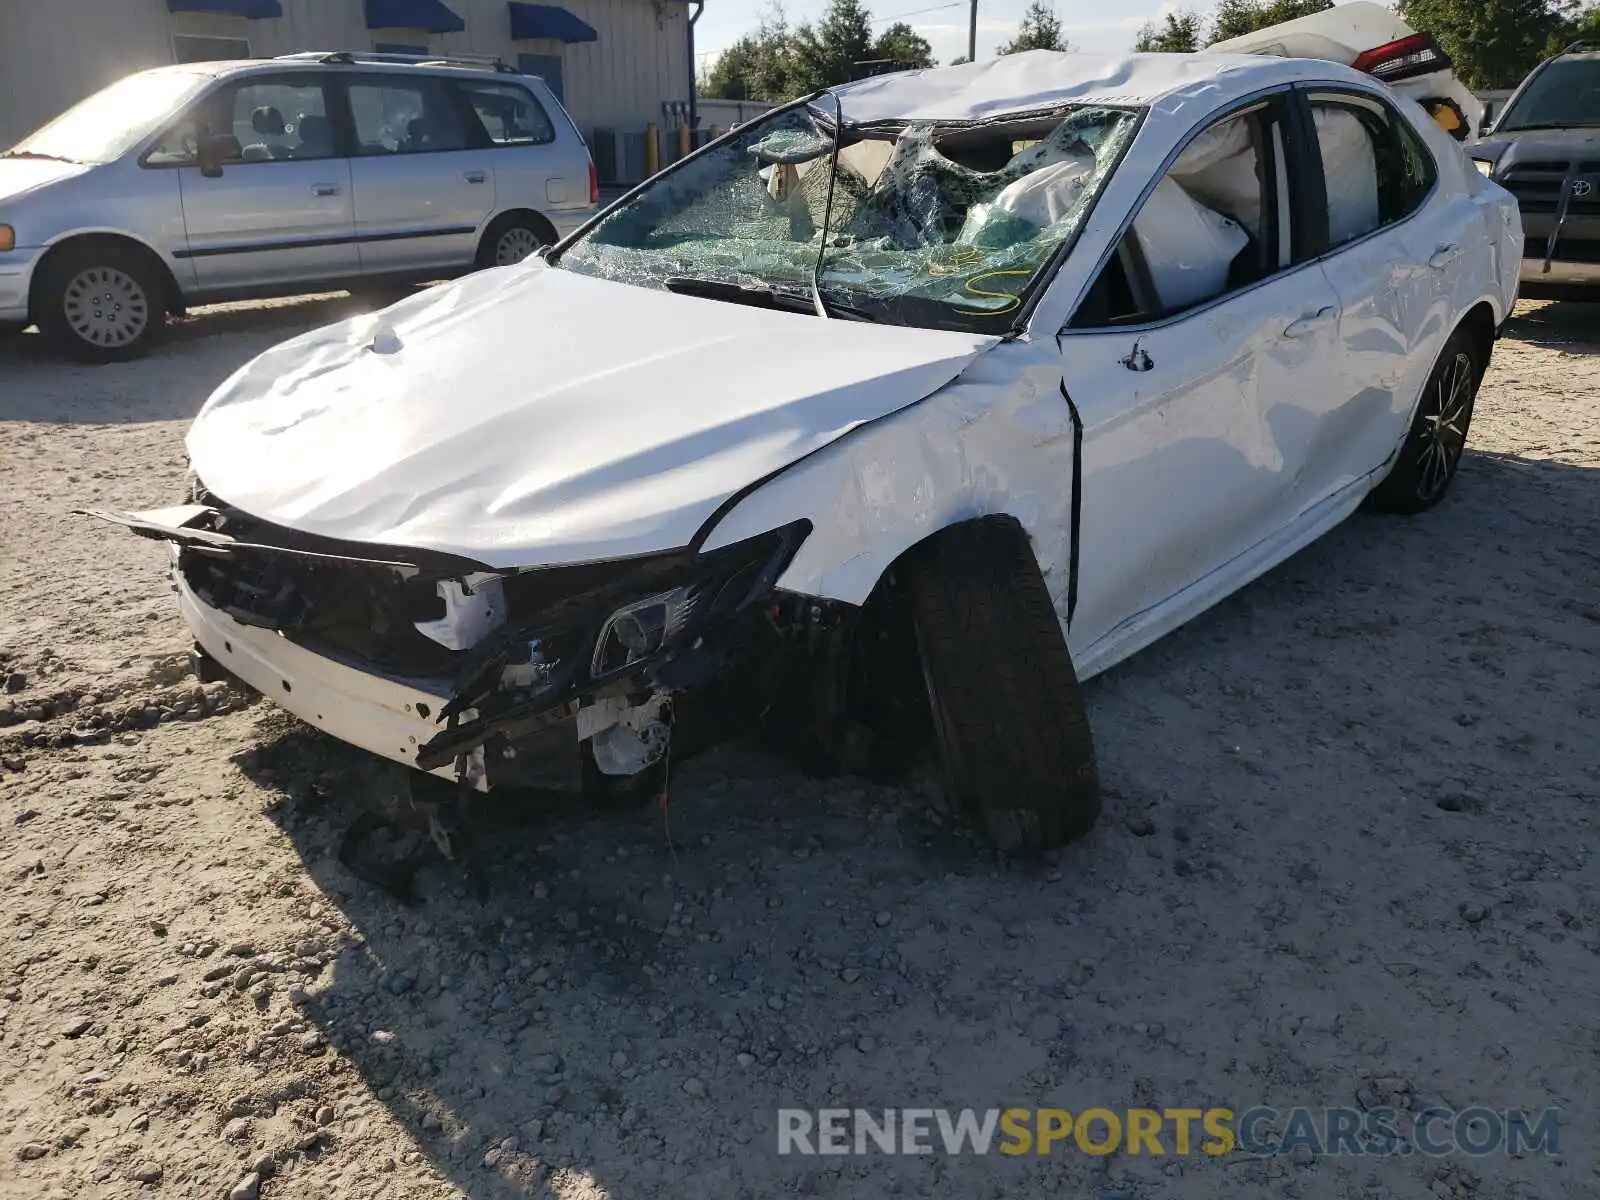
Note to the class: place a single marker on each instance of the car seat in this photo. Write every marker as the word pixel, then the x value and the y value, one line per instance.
pixel 267 121
pixel 316 136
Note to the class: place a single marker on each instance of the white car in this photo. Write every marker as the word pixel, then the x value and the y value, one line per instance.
pixel 954 386
pixel 1373 39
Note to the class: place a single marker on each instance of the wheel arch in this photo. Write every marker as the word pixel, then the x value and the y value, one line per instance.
pixel 1482 321
pixel 531 215
pixel 172 293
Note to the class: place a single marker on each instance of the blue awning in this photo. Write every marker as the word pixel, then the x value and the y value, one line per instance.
pixel 531 21
pixel 255 10
pixel 430 15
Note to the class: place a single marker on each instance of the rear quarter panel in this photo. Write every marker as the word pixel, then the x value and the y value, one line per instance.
pixel 552 179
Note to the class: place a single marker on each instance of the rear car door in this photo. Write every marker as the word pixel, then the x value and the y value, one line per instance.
pixel 279 213
pixel 422 171
pixel 1393 237
pixel 1193 364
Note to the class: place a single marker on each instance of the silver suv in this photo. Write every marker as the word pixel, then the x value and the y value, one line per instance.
pixel 233 180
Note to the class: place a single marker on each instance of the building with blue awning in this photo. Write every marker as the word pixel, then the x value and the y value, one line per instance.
pixel 617 65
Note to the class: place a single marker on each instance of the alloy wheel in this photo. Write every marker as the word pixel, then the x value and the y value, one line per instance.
pixel 106 307
pixel 1444 431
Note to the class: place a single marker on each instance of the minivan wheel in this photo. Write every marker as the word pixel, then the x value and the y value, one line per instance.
pixel 1426 464
pixel 100 304
pixel 511 240
pixel 1013 736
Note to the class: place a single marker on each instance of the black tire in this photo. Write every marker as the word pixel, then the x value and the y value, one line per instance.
pixel 1427 461
pixel 527 232
pixel 101 303
pixel 1013 735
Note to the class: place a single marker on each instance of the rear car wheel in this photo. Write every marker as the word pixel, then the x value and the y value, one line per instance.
pixel 100 303
pixel 1427 462
pixel 1013 735
pixel 511 240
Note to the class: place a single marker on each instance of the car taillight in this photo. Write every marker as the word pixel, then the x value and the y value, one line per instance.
pixel 594 184
pixel 1407 58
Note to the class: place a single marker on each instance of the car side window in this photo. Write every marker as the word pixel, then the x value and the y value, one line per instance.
pixel 254 120
pixel 407 116
pixel 1376 169
pixel 1213 225
pixel 178 146
pixel 511 115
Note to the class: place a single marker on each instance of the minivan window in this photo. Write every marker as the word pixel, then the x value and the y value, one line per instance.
pixel 510 114
pixel 1565 94
pixel 407 116
pixel 273 119
pixel 111 122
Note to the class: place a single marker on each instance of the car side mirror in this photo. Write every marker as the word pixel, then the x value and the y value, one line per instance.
pixel 216 150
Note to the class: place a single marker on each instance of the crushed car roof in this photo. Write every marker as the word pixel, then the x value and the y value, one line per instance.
pixel 1037 80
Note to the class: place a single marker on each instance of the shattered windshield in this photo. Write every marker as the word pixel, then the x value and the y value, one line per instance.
pixel 941 226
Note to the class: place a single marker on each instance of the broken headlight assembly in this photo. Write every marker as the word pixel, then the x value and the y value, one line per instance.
pixel 723 583
pixel 639 631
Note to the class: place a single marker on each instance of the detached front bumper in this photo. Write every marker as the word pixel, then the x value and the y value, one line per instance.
pixel 389 717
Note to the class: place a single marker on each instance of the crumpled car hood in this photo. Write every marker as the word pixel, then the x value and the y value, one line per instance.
pixel 530 416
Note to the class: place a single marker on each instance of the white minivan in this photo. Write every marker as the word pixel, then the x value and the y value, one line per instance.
pixel 234 180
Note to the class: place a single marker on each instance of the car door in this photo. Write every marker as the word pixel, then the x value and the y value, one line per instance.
pixel 1193 364
pixel 1392 240
pixel 278 211
pixel 422 171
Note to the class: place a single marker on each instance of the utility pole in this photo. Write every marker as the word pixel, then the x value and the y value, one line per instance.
pixel 972 34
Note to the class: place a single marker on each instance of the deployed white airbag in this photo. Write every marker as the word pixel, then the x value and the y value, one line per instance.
pixel 1187 247
pixel 1218 169
pixel 1044 196
pixel 1351 170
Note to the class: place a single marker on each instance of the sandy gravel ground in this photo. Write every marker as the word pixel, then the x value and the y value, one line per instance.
pixel 1349 857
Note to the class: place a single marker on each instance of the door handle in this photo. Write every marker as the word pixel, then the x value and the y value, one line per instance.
pixel 475 176
pixel 325 189
pixel 1311 322
pixel 1444 255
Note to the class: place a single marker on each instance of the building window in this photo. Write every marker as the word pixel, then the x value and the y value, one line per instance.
pixel 186 48
pixel 547 67
pixel 399 48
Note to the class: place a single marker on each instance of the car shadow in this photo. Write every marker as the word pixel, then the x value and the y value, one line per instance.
pixel 640 990
pixel 1570 325
pixel 196 353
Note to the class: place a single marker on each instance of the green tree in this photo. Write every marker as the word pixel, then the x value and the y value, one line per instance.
pixel 759 66
pixel 1234 18
pixel 1494 43
pixel 905 45
pixel 1040 29
pixel 825 53
pixel 1178 33
pixel 1586 25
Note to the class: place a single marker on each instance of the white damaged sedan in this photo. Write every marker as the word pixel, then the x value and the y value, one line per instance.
pixel 918 400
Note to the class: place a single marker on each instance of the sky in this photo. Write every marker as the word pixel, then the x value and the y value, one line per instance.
pixel 1106 25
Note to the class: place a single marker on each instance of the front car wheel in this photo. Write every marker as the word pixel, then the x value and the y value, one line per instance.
pixel 1013 735
pixel 100 304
